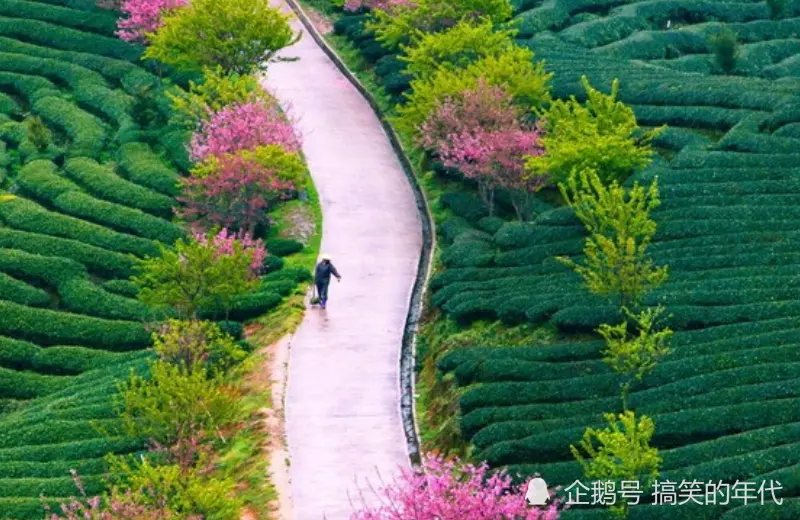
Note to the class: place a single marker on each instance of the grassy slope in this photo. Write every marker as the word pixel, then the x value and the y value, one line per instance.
pixel 728 178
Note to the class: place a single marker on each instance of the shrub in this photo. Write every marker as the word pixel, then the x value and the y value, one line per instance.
pixel 283 246
pixel 195 276
pixel 465 43
pixel 142 166
pixel 38 133
pixel 406 22
pixel 85 297
pixel 196 343
pixel 440 489
pixel 239 36
pixel 217 91
pixel 243 127
pixel 598 135
pixel 19 292
pixel 515 71
pixel 102 182
pixel 87 132
pixel 141 18
pixel 725 45
pixel 236 190
pixel 777 8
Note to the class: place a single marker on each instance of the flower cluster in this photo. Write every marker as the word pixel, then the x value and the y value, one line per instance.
pixel 383 5
pixel 142 17
pixel 225 243
pixel 243 126
pixel 236 194
pixel 442 490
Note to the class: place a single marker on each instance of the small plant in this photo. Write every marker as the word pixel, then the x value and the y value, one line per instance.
pixel 141 18
pixel 617 265
pixel 777 8
pixel 620 452
pixel 635 355
pixel 197 343
pixel 38 133
pixel 442 489
pixel 725 45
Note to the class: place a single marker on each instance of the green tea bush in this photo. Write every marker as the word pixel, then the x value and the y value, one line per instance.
pixel 28 385
pixel 86 132
pixel 102 182
pixel 25 215
pixel 283 246
pixel 85 297
pixel 48 327
pixel 142 166
pixel 20 292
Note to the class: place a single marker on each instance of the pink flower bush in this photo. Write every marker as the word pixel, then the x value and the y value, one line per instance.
pixel 243 126
pixel 142 17
pixel 225 244
pixel 383 5
pixel 235 195
pixel 481 134
pixel 441 490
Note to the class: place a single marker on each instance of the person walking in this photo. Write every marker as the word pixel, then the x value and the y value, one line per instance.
pixel 322 278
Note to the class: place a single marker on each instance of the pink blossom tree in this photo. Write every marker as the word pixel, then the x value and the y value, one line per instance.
pixel 243 126
pixel 225 243
pixel 142 17
pixel 235 194
pixel 482 134
pixel 442 490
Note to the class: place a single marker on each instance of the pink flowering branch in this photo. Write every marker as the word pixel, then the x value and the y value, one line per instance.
pixel 243 126
pixel 142 17
pixel 225 243
pixel 442 490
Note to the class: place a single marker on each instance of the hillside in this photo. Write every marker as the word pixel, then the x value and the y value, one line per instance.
pixel 726 402
pixel 81 208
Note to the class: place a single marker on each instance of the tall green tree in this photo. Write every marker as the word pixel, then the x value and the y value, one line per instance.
pixel 600 134
pixel 634 349
pixel 620 452
pixel 616 264
pixel 240 36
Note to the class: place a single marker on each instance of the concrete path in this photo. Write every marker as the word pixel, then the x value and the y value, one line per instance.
pixel 343 397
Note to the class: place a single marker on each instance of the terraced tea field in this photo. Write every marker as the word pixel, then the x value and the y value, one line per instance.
pixel 726 402
pixel 82 207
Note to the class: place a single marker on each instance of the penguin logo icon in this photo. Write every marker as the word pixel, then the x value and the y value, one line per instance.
pixel 537 494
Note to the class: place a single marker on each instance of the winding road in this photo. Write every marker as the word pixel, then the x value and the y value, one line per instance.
pixel 343 419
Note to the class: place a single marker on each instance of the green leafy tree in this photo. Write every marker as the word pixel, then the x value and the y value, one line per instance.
pixel 600 135
pixel 620 229
pixel 456 48
pixel 215 92
pixel 514 70
pixel 636 354
pixel 191 343
pixel 408 22
pixel 179 408
pixel 620 452
pixel 240 36
pixel 725 45
pixel 193 277
pixel 38 133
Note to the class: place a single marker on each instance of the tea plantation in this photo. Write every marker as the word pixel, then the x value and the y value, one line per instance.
pixel 82 207
pixel 726 402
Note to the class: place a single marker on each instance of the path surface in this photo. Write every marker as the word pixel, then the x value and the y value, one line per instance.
pixel 343 396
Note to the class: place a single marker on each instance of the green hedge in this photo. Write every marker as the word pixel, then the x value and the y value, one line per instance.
pixel 54 469
pixel 87 132
pixel 29 87
pixel 84 297
pixel 283 246
pixel 49 35
pixel 48 327
pixel 118 217
pixel 97 260
pixel 142 166
pixel 102 182
pixel 122 287
pixel 22 355
pixel 37 268
pixel 20 292
pixel 51 487
pixel 25 215
pixel 28 385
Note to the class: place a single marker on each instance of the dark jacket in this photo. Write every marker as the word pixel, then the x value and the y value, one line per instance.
pixel 323 272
